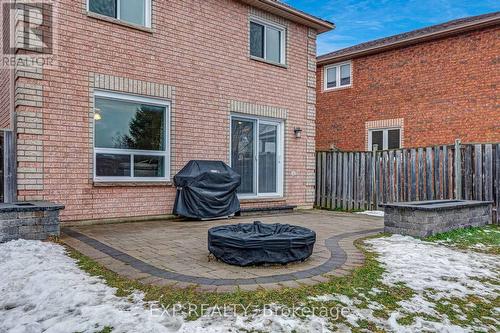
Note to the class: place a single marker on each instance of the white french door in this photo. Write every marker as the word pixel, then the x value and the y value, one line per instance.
pixel 257 155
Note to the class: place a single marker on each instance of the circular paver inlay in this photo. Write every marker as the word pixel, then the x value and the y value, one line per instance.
pixel 338 257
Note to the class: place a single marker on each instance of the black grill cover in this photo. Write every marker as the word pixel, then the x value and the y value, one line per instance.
pixel 257 243
pixel 206 189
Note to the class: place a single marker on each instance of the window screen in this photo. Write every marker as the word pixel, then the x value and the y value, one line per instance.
pixel 393 137
pixel 132 11
pixel 256 40
pixel 103 7
pixel 378 139
pixel 273 45
pixel 345 75
pixel 331 77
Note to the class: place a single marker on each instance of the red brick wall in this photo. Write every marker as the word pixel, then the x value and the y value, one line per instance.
pixel 444 89
pixel 200 48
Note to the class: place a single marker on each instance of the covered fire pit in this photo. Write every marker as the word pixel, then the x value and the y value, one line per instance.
pixel 258 243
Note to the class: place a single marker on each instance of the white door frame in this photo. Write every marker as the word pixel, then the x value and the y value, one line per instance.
pixel 279 154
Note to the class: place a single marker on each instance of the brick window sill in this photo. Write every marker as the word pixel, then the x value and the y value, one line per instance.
pixel 268 62
pixel 119 22
pixel 337 89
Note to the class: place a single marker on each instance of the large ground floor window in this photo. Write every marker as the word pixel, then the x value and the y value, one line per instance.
pixel 256 154
pixel 131 138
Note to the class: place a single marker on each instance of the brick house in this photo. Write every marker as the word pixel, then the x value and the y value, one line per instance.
pixel 140 88
pixel 425 87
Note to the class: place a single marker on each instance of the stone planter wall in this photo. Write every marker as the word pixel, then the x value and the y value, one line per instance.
pixel 29 220
pixel 427 218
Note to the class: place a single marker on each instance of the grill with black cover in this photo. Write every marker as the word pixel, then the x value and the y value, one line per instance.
pixel 206 189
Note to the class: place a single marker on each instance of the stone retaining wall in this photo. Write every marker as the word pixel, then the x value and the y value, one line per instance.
pixel 427 218
pixel 29 220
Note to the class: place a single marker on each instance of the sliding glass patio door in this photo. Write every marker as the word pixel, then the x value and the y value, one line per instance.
pixel 243 153
pixel 256 152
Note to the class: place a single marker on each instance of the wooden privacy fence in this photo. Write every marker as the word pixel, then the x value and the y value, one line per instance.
pixel 365 180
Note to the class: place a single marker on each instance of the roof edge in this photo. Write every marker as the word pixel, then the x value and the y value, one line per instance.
pixel 283 10
pixel 468 26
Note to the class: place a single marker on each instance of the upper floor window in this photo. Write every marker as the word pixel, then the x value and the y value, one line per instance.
pixel 386 138
pixel 338 75
pixel 267 41
pixel 131 11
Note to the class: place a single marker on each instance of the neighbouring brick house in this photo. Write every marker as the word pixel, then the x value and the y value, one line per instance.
pixel 140 88
pixel 425 87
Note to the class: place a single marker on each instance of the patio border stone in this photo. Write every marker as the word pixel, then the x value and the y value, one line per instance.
pixel 338 259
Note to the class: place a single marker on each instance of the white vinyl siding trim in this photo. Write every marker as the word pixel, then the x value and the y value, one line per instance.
pixel 279 151
pixel 147 13
pixel 385 137
pixel 270 25
pixel 134 152
pixel 338 67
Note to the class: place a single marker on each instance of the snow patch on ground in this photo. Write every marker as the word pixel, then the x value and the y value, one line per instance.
pixel 43 290
pixel 374 291
pixel 417 304
pixel 258 323
pixel 424 265
pixel 329 298
pixel 356 315
pixel 434 273
pixel 480 247
pixel 377 213
pixel 423 325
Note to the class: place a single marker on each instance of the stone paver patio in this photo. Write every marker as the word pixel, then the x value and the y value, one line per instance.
pixel 175 252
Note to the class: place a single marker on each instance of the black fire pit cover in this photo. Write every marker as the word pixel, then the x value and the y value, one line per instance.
pixel 258 243
pixel 206 189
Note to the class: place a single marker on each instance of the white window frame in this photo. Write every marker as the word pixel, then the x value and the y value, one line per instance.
pixel 385 137
pixel 283 38
pixel 147 13
pixel 337 65
pixel 133 152
pixel 279 152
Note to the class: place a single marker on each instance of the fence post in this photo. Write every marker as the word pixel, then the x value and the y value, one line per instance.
pixel 374 183
pixel 458 169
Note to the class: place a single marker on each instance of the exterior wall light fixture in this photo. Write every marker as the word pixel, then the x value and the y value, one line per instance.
pixel 298 132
